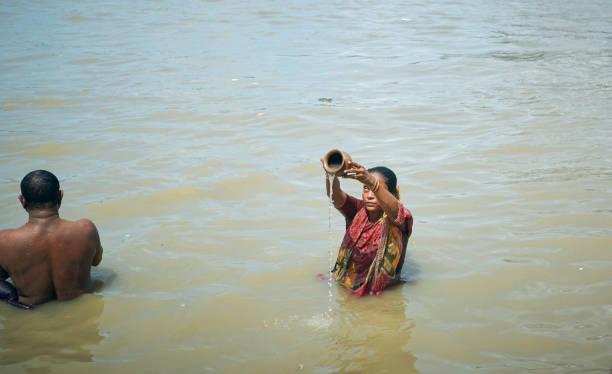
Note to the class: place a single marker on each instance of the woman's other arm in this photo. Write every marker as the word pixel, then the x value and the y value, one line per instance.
pixel 338 196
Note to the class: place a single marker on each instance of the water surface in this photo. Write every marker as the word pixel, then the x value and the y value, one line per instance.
pixel 190 133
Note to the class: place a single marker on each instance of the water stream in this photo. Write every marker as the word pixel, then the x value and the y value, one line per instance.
pixel 330 178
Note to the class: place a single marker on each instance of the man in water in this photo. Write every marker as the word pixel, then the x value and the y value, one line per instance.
pixel 48 257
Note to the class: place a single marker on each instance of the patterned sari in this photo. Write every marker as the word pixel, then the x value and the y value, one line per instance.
pixel 372 254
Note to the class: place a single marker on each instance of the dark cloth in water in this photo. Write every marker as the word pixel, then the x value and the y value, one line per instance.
pixel 9 293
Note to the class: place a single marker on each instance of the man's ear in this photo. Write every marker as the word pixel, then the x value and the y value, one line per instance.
pixel 22 200
pixel 61 196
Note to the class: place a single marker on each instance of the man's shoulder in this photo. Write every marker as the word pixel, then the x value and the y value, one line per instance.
pixel 83 225
pixel 7 235
pixel 12 240
pixel 6 232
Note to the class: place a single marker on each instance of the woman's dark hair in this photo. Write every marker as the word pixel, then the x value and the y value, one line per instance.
pixel 40 189
pixel 390 178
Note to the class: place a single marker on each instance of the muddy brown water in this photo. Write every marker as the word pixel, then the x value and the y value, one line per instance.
pixel 191 132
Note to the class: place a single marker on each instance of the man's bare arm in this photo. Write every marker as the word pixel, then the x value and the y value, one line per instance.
pixel 94 239
pixel 3 239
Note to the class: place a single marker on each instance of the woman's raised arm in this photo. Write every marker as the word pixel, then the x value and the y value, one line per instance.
pixel 386 200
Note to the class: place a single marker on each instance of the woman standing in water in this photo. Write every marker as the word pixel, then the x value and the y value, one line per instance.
pixel 377 230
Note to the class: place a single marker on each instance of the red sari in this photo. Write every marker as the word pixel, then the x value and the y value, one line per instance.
pixel 372 253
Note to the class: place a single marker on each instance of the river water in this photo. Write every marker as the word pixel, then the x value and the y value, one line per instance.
pixel 190 132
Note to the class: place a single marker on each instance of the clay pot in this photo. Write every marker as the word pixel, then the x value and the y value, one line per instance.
pixel 335 161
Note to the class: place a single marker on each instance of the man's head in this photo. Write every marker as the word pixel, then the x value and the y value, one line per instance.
pixel 40 190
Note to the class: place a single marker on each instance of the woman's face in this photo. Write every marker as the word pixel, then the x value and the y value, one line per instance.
pixel 368 197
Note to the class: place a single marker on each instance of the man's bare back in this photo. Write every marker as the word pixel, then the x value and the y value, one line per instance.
pixel 49 257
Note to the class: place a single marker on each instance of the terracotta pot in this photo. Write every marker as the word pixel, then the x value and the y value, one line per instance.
pixel 335 161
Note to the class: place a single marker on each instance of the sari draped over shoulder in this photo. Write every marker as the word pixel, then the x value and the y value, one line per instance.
pixel 372 253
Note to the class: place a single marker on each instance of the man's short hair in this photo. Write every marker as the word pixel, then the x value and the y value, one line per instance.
pixel 40 189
